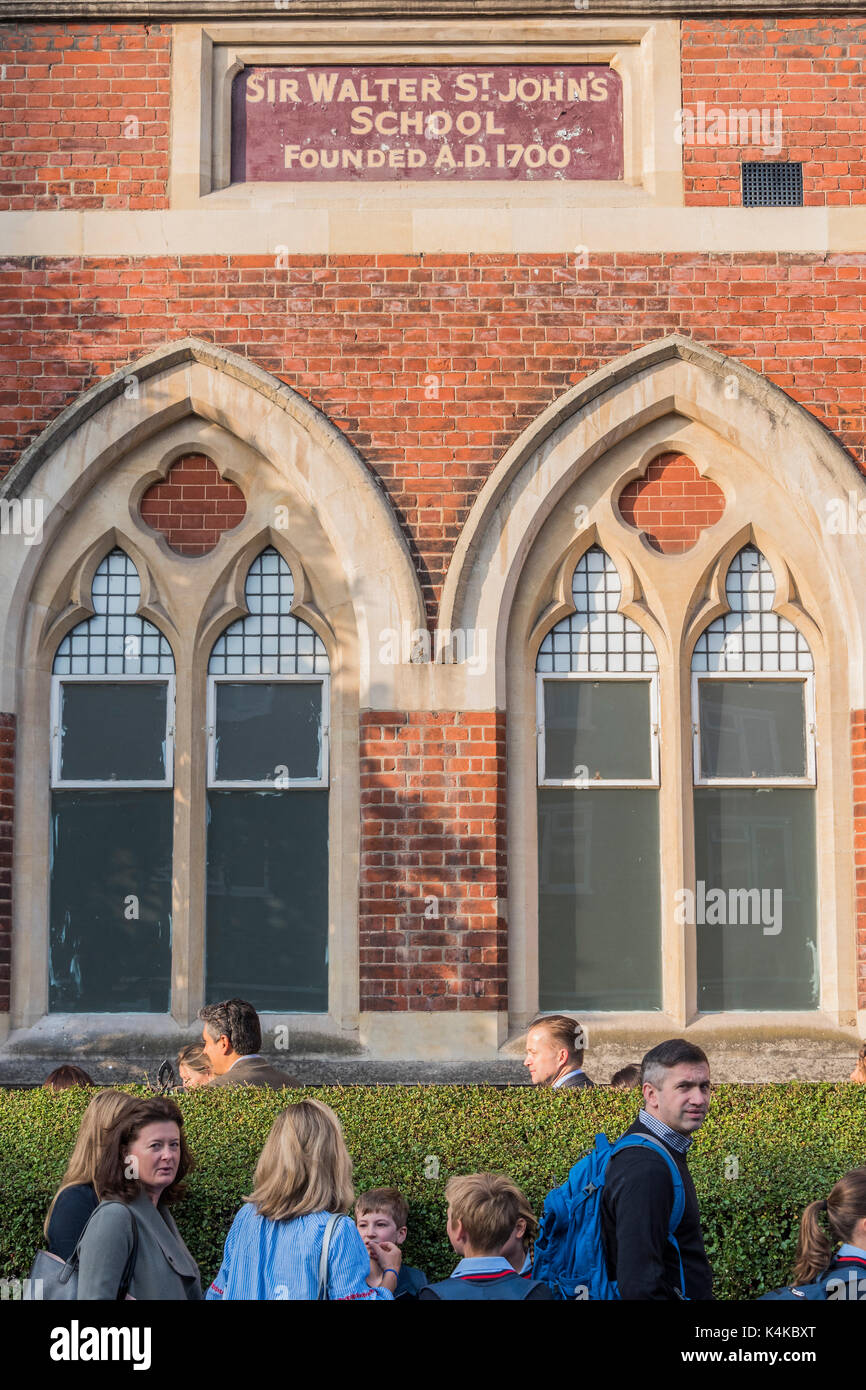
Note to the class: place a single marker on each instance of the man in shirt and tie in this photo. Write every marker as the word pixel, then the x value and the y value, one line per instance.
pixel 638 1196
pixel 554 1052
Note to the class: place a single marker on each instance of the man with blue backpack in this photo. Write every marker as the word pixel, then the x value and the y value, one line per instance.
pixel 626 1223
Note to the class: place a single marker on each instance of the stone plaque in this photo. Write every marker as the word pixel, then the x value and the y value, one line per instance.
pixel 446 123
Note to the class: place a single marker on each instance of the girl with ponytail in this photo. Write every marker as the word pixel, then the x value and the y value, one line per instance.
pixel 831 1251
pixel 837 1220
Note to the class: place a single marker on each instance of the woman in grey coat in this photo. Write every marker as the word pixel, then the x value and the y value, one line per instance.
pixel 141 1171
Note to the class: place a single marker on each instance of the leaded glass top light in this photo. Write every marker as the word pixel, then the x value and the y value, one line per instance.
pixel 597 637
pixel 115 641
pixel 269 640
pixel 751 637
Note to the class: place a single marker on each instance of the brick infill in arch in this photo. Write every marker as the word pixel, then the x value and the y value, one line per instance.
pixel 671 504
pixel 433 866
pixel 193 505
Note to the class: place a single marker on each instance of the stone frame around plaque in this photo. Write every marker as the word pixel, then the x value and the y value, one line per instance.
pixel 207 57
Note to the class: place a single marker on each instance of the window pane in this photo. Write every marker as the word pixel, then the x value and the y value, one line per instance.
pixel 599 916
pixel 603 726
pixel 757 940
pixel 752 728
pixel 262 727
pixel 267 906
pixel 113 732
pixel 111 901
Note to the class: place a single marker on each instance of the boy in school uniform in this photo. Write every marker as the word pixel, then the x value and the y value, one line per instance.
pixel 483 1214
pixel 382 1215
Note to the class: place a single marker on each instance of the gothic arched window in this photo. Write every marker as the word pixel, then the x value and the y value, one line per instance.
pixel 267 854
pixel 755 903
pixel 598 819
pixel 112 704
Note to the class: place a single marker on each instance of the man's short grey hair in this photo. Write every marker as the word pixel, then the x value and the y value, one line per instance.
pixel 673 1053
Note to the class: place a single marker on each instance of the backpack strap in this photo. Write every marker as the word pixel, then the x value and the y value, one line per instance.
pixel 642 1141
pixel 129 1268
pixel 330 1226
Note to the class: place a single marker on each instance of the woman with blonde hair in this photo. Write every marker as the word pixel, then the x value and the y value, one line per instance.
pixel 293 1239
pixel 193 1066
pixel 77 1196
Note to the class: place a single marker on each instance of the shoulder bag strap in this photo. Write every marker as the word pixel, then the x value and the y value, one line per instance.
pixel 129 1267
pixel 323 1261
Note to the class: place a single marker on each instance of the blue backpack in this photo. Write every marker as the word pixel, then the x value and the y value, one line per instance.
pixel 569 1251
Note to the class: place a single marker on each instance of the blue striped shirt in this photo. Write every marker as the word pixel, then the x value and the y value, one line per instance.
pixel 264 1259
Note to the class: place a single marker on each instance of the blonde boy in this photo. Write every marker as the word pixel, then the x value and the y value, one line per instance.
pixel 484 1213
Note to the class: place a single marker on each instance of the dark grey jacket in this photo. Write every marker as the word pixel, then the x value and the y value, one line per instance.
pixel 578 1082
pixel 253 1071
pixel 164 1268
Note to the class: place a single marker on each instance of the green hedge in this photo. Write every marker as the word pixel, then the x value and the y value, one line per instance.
pixel 788 1144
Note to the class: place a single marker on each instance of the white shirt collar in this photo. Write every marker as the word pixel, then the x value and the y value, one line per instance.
pixel 482 1264
pixel 567 1077
pixel 245 1057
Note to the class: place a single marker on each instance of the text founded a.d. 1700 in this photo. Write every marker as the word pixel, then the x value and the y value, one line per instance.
pixel 320 123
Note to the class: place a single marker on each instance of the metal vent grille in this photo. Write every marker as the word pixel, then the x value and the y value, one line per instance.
pixel 772 184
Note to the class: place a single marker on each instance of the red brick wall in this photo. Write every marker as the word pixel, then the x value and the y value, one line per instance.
pixel 52 158
pixel 812 70
pixel 858 758
pixel 672 503
pixel 432 365
pixel 7 811
pixel 193 505
pixel 432 826
pixel 65 137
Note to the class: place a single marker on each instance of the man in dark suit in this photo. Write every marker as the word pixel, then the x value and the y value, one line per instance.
pixel 554 1052
pixel 231 1038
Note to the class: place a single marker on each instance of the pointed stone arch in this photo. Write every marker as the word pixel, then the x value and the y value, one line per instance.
pixel 783 476
pixel 189 380
pixel 354 574
pixel 797 465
